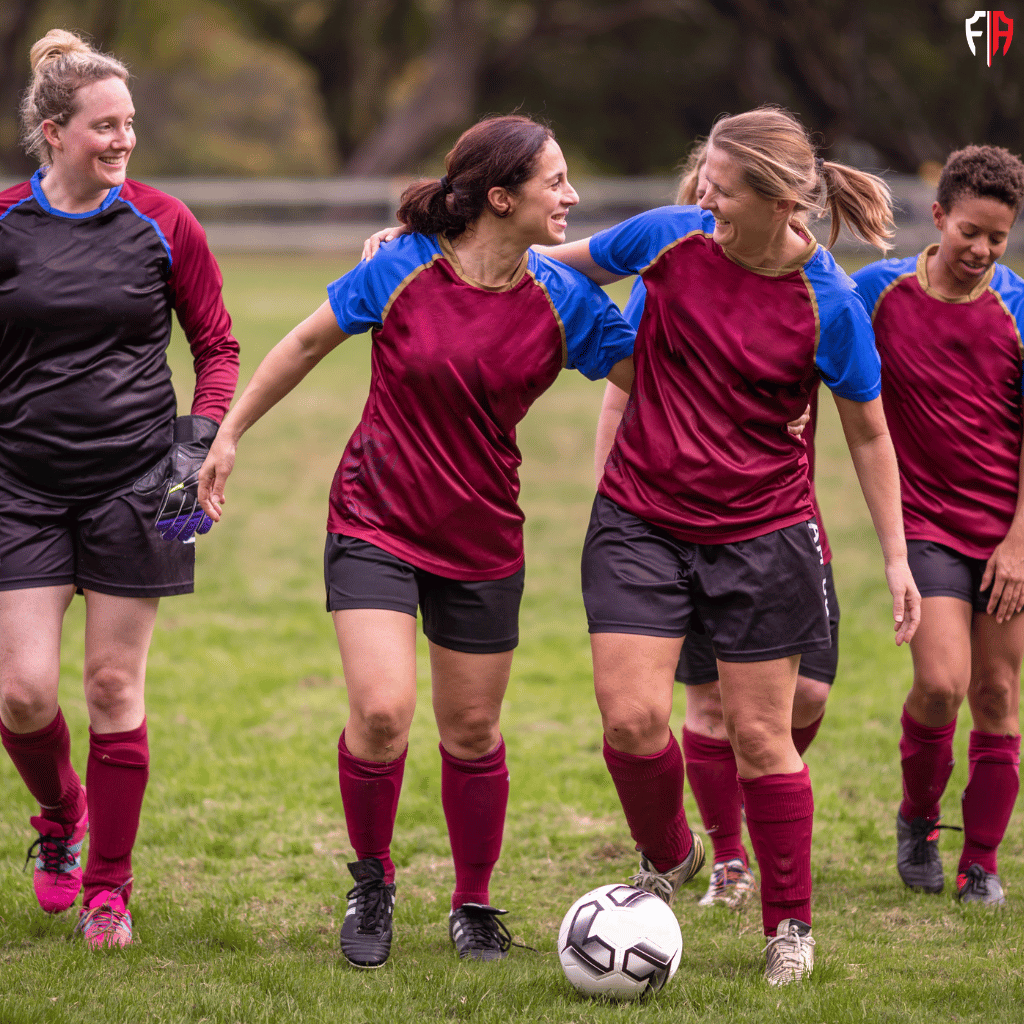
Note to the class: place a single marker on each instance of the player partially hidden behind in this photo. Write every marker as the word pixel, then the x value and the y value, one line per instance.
pixel 710 763
pixel 469 327
pixel 948 324
pixel 704 509
pixel 91 456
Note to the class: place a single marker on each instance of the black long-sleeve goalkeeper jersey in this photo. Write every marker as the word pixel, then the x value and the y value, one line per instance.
pixel 86 401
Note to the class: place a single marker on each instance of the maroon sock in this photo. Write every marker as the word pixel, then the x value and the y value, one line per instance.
pixel 474 795
pixel 116 782
pixel 369 794
pixel 711 771
pixel 992 784
pixel 804 736
pixel 927 756
pixel 650 788
pixel 43 760
pixel 780 818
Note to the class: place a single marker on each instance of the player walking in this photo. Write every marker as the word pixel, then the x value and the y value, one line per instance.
pixel 469 327
pixel 91 267
pixel 705 505
pixel 948 328
pixel 710 763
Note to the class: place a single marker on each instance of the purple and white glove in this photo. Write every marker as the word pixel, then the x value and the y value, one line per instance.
pixel 181 517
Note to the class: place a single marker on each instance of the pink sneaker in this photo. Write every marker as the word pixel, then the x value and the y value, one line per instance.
pixel 57 877
pixel 106 921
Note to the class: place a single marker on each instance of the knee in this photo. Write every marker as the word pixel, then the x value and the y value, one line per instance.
pixel 382 729
pixel 110 691
pixel 993 696
pixel 758 744
pixel 809 701
pixel 939 695
pixel 634 728
pixel 26 708
pixel 470 733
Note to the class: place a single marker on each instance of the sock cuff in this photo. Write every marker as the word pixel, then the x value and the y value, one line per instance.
pixel 783 797
pixel 125 749
pixel 643 767
pixel 914 730
pixel 698 747
pixel 368 769
pixel 56 730
pixel 491 762
pixel 995 748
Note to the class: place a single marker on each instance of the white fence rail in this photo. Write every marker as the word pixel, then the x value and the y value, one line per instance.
pixel 336 214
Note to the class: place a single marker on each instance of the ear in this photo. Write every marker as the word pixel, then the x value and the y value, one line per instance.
pixel 938 214
pixel 500 201
pixel 784 209
pixel 51 132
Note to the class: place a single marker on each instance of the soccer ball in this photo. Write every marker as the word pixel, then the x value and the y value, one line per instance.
pixel 620 942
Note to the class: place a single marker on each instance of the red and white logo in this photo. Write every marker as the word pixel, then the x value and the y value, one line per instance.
pixel 998 28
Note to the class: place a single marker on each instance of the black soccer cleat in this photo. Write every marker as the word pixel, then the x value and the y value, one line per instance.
pixel 917 853
pixel 976 885
pixel 477 933
pixel 366 931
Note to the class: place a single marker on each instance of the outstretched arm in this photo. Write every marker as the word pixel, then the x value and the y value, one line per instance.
pixel 281 370
pixel 875 462
pixel 577 255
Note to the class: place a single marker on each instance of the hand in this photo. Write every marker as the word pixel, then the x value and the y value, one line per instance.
pixel 796 427
pixel 906 600
pixel 214 474
pixel 376 240
pixel 180 517
pixel 1005 572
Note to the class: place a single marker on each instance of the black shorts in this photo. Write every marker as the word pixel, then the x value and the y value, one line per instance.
pixel 942 572
pixel 109 545
pixel 698 665
pixel 757 600
pixel 471 616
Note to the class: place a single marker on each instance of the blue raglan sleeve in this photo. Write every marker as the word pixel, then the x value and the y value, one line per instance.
pixel 596 334
pixel 632 246
pixel 360 297
pixel 873 279
pixel 1010 289
pixel 846 357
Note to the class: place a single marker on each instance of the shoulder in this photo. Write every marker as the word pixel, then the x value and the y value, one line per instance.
pixel 14 196
pixel 874 280
pixel 1010 288
pixel 561 281
pixel 834 291
pixel 172 220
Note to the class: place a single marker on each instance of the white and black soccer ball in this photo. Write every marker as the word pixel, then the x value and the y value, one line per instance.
pixel 620 942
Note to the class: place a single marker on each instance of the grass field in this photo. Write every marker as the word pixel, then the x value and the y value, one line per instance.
pixel 240 863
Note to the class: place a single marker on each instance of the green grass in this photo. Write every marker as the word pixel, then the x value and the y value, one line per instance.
pixel 240 863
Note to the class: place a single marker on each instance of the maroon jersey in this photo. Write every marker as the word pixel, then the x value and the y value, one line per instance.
pixel 725 356
pixel 951 386
pixel 431 472
pixel 86 401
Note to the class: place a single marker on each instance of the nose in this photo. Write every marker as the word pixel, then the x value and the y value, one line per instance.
pixel 570 197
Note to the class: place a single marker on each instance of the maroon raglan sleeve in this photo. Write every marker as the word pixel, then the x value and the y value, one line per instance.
pixel 195 283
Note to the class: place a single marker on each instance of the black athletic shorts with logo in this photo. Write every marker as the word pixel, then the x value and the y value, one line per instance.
pixel 698 665
pixel 940 571
pixel 109 545
pixel 757 600
pixel 470 616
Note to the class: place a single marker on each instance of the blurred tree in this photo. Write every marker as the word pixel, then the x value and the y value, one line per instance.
pixel 631 82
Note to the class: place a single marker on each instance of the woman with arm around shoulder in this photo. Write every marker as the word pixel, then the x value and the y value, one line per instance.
pixel 744 311
pixel 90 442
pixel 469 327
pixel 948 328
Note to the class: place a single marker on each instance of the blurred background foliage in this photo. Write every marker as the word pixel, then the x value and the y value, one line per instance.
pixel 321 87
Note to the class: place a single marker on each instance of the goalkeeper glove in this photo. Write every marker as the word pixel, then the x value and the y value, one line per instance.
pixel 181 517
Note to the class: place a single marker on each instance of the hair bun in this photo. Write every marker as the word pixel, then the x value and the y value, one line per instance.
pixel 54 45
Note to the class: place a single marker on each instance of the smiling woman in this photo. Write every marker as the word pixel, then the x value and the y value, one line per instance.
pixel 91 448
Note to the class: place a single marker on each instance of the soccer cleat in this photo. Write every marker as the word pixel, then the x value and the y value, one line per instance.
pixel 106 920
pixel 790 953
pixel 57 876
pixel 477 933
pixel 731 885
pixel 976 885
pixel 917 852
pixel 366 931
pixel 666 883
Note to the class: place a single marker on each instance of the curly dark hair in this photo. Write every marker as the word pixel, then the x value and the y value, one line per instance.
pixel 985 171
